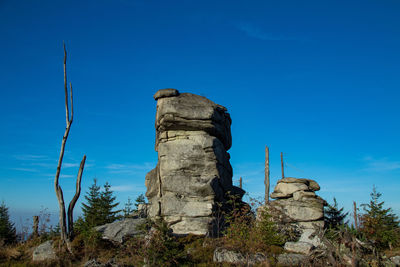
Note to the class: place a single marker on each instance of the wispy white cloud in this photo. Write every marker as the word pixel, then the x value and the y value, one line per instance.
pixel 128 188
pixel 30 157
pixel 24 169
pixel 69 165
pixel 130 168
pixel 256 32
pixel 381 165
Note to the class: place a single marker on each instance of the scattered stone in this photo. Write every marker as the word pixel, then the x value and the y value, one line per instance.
pixel 299 247
pixel 224 255
pixel 193 174
pixel 291 259
pixel 119 231
pixel 395 260
pixel 310 236
pixel 44 252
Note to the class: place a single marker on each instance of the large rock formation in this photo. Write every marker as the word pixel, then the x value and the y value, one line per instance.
pixel 193 173
pixel 297 204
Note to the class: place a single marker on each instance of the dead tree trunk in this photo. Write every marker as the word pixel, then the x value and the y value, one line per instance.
pixel 35 226
pixel 283 172
pixel 66 236
pixel 355 216
pixel 74 199
pixel 240 183
pixel 266 181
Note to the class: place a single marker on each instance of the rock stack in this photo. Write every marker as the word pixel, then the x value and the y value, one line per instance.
pixel 193 173
pixel 297 204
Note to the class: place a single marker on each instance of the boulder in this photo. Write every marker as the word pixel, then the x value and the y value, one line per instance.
pixel 165 93
pixel 44 251
pixel 119 231
pixel 285 190
pixel 303 196
pixel 300 211
pixel 395 260
pixel 237 258
pixel 291 259
pixel 310 236
pixel 312 185
pixel 193 174
pixel 299 247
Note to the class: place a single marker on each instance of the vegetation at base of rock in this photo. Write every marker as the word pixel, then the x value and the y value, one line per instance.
pixel 247 235
pixel 244 234
pixel 163 249
pixel 7 229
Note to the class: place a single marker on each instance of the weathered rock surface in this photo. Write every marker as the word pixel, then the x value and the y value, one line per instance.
pixel 44 251
pixel 299 247
pixel 193 172
pixel 395 260
pixel 297 204
pixel 119 231
pixel 224 255
pixel 291 259
pixel 301 210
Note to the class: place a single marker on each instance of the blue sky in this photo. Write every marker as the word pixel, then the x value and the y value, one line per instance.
pixel 317 80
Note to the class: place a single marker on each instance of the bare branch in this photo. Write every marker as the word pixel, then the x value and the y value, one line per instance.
pixel 72 103
pixel 267 181
pixel 75 199
pixel 65 85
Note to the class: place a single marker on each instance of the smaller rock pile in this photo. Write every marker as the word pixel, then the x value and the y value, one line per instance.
pixel 297 204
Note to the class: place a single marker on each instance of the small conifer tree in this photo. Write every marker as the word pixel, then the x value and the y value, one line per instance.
pixel 107 205
pixel 139 200
pixel 334 217
pixel 91 215
pixel 380 225
pixel 128 208
pixel 7 229
pixel 100 205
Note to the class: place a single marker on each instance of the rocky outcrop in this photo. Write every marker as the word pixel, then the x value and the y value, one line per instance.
pixel 44 252
pixel 297 204
pixel 193 172
pixel 119 231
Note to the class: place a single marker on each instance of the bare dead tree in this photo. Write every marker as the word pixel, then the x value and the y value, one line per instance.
pixel 283 173
pixel 355 215
pixel 35 227
pixel 66 237
pixel 266 181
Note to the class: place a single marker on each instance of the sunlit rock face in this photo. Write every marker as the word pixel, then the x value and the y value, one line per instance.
pixel 297 204
pixel 193 173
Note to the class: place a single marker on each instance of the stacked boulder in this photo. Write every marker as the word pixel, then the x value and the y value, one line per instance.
pixel 193 174
pixel 297 204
